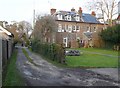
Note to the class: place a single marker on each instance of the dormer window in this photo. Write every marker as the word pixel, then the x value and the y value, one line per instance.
pixel 69 17
pixel 77 18
pixel 60 17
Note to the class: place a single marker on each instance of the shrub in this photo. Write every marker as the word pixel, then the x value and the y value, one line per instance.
pixel 54 52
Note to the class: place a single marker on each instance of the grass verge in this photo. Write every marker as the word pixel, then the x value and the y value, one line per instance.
pixel 13 77
pixel 27 56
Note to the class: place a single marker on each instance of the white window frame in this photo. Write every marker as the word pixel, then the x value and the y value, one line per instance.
pixel 59 28
pixel 78 28
pixel 69 28
pixel 74 28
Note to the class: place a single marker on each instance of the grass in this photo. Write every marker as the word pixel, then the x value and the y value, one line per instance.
pixel 27 56
pixel 89 60
pixel 93 60
pixel 13 77
pixel 99 50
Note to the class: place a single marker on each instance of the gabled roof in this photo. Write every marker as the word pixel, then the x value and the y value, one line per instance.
pixel 5 31
pixel 4 34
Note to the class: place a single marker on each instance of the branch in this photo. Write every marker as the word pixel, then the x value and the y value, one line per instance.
pixel 114 13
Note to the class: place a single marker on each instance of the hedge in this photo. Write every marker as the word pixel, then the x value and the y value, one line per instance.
pixel 54 51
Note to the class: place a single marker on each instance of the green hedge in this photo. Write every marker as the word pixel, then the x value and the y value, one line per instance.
pixel 54 52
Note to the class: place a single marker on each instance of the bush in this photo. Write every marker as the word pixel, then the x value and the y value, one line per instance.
pixel 111 35
pixel 54 52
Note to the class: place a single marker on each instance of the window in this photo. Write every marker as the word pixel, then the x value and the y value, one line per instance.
pixel 66 28
pixel 63 26
pixel 88 29
pixel 59 27
pixel 94 29
pixel 70 28
pixel 65 40
pixel 78 28
pixel 68 17
pixel 77 18
pixel 63 17
pixel 73 28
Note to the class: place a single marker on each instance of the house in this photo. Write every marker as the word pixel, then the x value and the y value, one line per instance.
pixel 77 29
pixel 7 45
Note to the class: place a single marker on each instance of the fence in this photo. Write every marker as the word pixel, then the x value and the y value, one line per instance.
pixel 7 48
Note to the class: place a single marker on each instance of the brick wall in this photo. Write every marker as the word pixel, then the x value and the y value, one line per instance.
pixel 94 28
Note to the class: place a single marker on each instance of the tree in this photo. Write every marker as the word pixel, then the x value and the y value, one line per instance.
pixel 106 7
pixel 45 26
pixel 25 27
pixel 111 34
pixel 13 29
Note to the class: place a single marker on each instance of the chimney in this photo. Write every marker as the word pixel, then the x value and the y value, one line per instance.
pixel 53 11
pixel 72 10
pixel 93 13
pixel 80 11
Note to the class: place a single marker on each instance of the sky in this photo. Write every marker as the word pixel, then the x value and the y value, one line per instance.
pixel 18 10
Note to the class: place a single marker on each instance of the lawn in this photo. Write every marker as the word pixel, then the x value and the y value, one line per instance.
pixel 99 50
pixel 88 59
pixel 13 77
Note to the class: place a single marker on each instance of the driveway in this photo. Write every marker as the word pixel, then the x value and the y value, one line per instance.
pixel 46 74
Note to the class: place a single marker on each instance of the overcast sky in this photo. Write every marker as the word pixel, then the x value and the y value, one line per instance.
pixel 18 10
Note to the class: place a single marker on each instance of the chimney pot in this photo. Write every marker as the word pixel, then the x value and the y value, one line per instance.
pixel 80 11
pixel 72 10
pixel 93 13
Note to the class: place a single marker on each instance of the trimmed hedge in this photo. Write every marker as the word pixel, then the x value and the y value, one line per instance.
pixel 54 52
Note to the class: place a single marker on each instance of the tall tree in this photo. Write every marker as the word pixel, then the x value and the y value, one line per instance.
pixel 44 25
pixel 106 7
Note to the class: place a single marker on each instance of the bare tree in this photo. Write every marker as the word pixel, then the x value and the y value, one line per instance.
pixel 106 7
pixel 25 27
pixel 45 28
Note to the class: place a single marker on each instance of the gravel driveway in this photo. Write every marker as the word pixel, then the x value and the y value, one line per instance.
pixel 46 74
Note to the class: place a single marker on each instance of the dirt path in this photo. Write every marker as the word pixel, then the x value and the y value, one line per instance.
pixel 46 74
